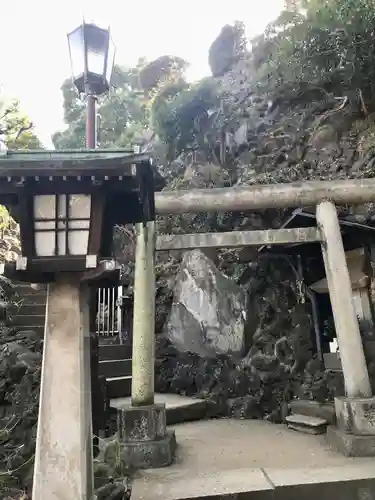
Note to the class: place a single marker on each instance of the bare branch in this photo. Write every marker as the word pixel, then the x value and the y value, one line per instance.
pixel 24 129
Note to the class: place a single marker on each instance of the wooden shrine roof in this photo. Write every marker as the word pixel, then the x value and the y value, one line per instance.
pixel 70 163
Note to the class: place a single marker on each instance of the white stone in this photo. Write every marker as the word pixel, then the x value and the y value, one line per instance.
pixel 208 314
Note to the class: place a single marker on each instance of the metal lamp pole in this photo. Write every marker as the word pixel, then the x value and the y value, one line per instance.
pixel 91 132
pixel 98 402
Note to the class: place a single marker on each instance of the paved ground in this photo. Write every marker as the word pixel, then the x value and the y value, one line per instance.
pixel 217 454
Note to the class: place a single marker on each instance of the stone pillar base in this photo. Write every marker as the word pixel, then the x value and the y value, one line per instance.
pixel 355 432
pixel 145 441
pixel 350 445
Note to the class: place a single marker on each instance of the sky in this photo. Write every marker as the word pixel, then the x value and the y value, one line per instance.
pixel 34 50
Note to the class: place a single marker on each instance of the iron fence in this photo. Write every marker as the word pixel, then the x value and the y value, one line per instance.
pixel 109 312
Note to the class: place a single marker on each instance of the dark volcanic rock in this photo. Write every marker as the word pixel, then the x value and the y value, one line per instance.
pixel 280 345
pixel 20 366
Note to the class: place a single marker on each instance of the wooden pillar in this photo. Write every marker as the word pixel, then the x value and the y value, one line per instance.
pixel 63 467
pixel 357 383
pixel 143 357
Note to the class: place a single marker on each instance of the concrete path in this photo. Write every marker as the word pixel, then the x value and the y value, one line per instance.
pixel 255 459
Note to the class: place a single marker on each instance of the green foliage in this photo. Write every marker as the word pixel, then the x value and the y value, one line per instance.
pixel 15 128
pixel 180 112
pixel 163 70
pixel 326 43
pixel 16 131
pixel 183 116
pixel 319 46
pixel 123 114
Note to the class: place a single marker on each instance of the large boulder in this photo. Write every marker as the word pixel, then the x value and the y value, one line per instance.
pixel 208 314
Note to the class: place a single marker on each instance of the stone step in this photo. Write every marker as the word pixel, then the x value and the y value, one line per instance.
pixel 27 309
pixel 37 287
pixel 119 387
pixel 116 368
pixel 325 411
pixel 326 482
pixel 30 300
pixel 115 352
pixel 306 424
pixel 39 330
pixel 332 361
pixel 29 291
pixel 26 320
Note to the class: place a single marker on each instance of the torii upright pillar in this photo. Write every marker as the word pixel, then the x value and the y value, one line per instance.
pixel 146 443
pixel 355 431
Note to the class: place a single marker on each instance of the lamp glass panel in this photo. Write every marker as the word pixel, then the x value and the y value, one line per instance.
pixel 79 224
pixel 110 60
pixel 44 206
pixel 66 234
pixel 77 51
pixel 79 206
pixel 44 209
pixel 97 48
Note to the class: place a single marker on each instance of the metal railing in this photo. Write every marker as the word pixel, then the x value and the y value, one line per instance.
pixel 109 311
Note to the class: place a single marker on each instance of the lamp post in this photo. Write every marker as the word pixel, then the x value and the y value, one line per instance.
pixel 92 57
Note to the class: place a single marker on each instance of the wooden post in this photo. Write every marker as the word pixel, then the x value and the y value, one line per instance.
pixel 63 467
pixel 143 357
pixel 357 383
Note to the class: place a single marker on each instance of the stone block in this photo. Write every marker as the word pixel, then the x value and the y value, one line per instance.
pixel 144 440
pixel 141 423
pixel 350 445
pixel 356 415
pixel 149 454
pixel 325 411
pixel 369 348
pixel 335 382
pixel 332 361
pixel 306 424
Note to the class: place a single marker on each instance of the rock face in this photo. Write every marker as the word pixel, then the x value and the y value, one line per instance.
pixel 20 365
pixel 208 314
pixel 279 333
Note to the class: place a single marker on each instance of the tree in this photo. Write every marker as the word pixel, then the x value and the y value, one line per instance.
pixel 123 113
pixel 323 43
pixel 164 70
pixel 15 128
pixel 16 131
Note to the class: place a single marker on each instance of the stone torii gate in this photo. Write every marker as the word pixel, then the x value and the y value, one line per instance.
pixel 355 431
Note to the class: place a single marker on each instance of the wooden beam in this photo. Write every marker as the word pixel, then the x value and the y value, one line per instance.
pixel 237 239
pixel 295 194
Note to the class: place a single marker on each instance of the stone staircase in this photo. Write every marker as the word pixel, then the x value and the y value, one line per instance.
pixel 29 313
pixel 114 360
pixel 115 365
pixel 310 417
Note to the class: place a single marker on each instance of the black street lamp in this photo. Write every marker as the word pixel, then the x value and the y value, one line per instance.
pixel 92 55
